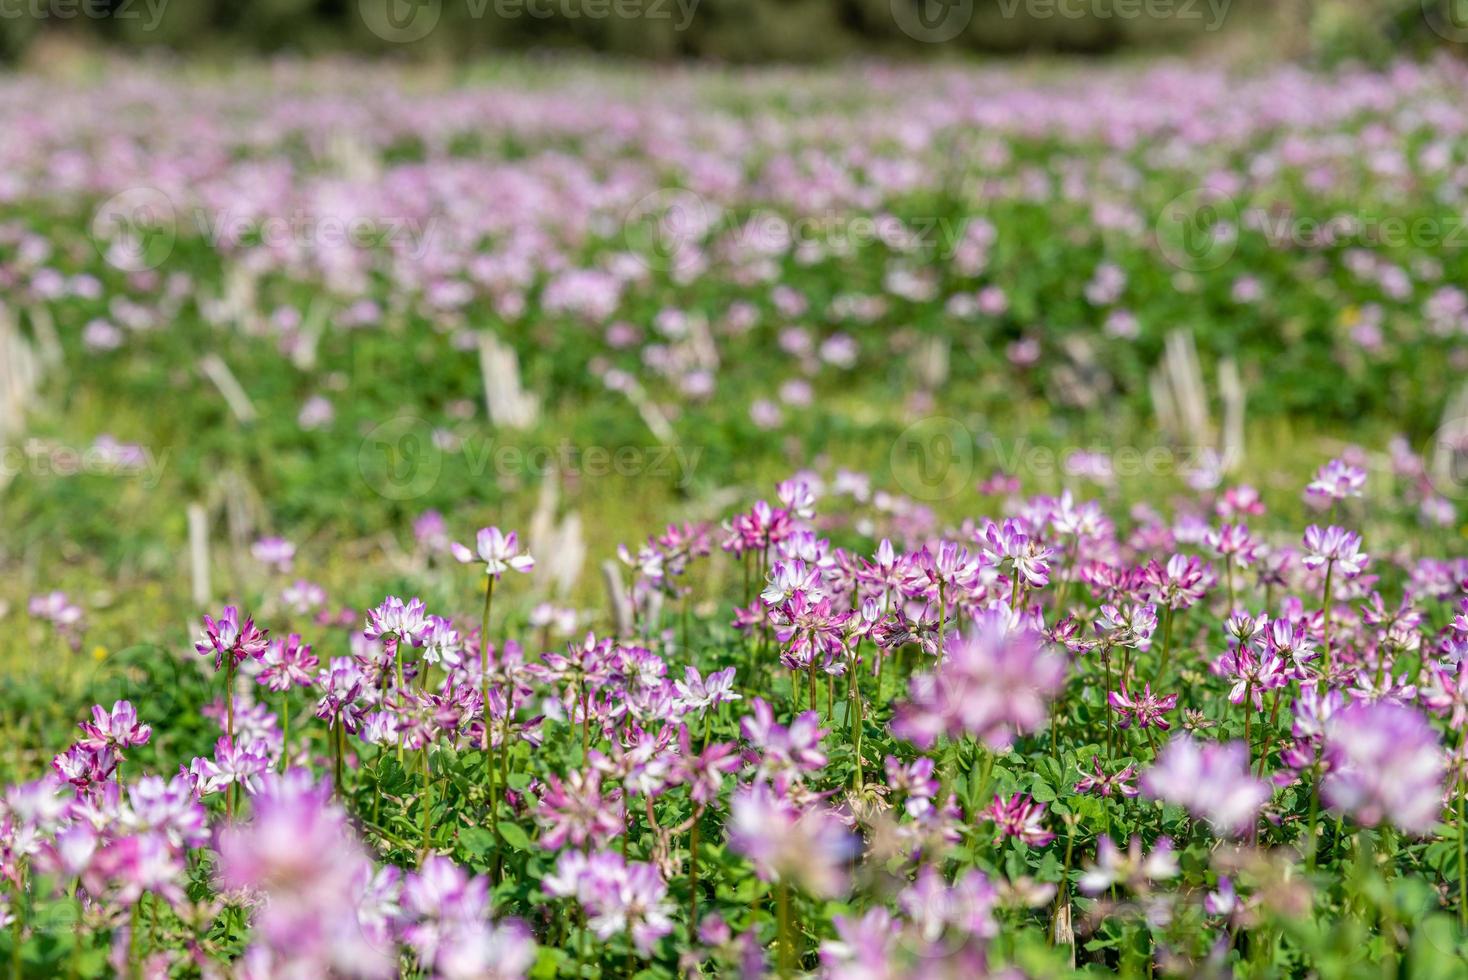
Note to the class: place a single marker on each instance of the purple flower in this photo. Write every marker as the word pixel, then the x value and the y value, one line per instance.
pixel 228 637
pixel 403 621
pixel 1181 583
pixel 1147 709
pixel 698 693
pixel 299 854
pixel 342 686
pixel 1209 780
pixel 276 553
pixel 784 751
pixel 118 729
pixel 1010 545
pixel 1336 480
pixel 288 663
pixel 576 811
pixel 1098 782
pixel 966 907
pixel 500 552
pixel 1335 546
pixel 1385 765
pixel 810 847
pixel 992 684
pixel 1019 817
pixel 619 896
pixel 1132 869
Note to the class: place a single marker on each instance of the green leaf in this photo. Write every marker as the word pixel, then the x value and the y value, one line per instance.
pixel 514 836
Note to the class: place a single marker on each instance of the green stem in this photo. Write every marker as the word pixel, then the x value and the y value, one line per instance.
pixel 427 806
pixel 489 761
pixel 1248 707
pixel 285 733
pixel 134 929
pixel 229 728
pixel 786 955
pixel 1166 646
pixel 1312 841
pixel 1269 735
pixel 1325 610
pixel 1462 853
pixel 693 880
pixel 17 928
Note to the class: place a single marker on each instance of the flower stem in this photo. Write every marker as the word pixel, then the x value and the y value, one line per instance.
pixel 693 880
pixel 427 808
pixel 787 942
pixel 1462 841
pixel 1325 611
pixel 285 735
pixel 1248 706
pixel 1166 646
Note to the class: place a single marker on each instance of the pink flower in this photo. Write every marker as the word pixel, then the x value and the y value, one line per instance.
pixel 784 751
pixel 810 848
pixel 118 729
pixel 1335 546
pixel 1210 781
pixel 1019 817
pixel 298 853
pixel 1098 782
pixel 992 684
pixel 1132 869
pixel 1386 764
pixel 288 663
pixel 1232 541
pixel 1336 480
pixel 227 636
pixel 276 553
pixel 500 552
pixel 1147 709
pixel 576 811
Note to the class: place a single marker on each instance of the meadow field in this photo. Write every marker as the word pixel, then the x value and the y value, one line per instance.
pixel 566 518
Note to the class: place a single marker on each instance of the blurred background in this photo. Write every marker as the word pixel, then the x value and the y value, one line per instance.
pixel 737 31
